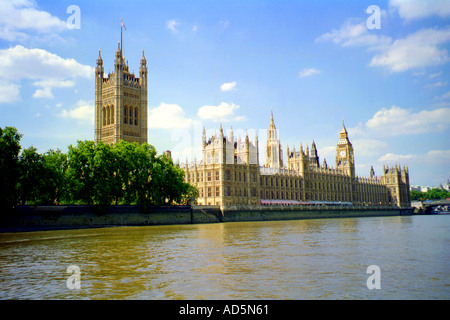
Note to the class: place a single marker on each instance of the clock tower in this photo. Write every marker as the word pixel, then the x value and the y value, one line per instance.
pixel 345 160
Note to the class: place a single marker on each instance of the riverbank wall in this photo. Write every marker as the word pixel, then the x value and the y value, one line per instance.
pixel 33 218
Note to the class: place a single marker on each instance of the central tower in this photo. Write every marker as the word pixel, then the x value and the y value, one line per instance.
pixel 121 102
pixel 345 160
pixel 274 158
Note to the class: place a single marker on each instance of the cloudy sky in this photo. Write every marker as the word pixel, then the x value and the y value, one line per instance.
pixel 314 63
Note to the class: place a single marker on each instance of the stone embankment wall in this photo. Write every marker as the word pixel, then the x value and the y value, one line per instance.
pixel 292 213
pixel 29 218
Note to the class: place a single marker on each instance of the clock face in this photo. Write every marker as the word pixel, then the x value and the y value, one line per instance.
pixel 342 153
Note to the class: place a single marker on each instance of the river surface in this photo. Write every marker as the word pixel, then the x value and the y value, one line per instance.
pixel 299 259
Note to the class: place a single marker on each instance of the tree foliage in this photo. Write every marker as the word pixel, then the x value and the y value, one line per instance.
pixel 9 166
pixel 432 194
pixel 92 174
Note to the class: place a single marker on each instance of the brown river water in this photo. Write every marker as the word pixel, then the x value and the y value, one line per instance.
pixel 277 260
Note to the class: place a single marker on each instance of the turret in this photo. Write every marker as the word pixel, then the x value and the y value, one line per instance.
pixel 143 72
pixel 204 138
pixel 314 158
pixel 99 71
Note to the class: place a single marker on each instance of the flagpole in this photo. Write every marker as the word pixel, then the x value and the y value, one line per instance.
pixel 121 40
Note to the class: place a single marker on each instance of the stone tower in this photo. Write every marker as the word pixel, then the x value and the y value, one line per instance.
pixel 396 180
pixel 121 102
pixel 345 160
pixel 274 158
pixel 314 157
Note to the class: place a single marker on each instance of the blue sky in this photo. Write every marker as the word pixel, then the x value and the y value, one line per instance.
pixel 314 63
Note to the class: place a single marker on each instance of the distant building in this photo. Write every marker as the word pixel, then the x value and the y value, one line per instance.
pixel 121 102
pixel 230 174
pixel 446 186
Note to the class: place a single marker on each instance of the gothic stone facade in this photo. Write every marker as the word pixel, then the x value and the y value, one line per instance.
pixel 230 174
pixel 121 102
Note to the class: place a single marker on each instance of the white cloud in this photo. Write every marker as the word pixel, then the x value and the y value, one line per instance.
pixel 47 69
pixel 432 157
pixel 418 9
pixel 308 72
pixel 43 93
pixel 19 62
pixel 399 121
pixel 168 116
pixel 172 25
pixel 438 84
pixel 435 75
pixel 393 158
pixel 9 92
pixel 228 86
pixel 369 147
pixel 417 50
pixel 82 111
pixel 444 96
pixel 21 16
pixel 47 85
pixel 351 34
pixel 54 83
pixel 224 112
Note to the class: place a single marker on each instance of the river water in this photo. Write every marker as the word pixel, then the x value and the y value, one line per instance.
pixel 299 259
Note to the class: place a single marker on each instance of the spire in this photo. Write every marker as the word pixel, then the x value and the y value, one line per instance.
pixel 372 172
pixel 143 60
pixel 343 130
pixel 272 123
pixel 99 59
pixel 313 146
pixel 231 135
pixel 118 53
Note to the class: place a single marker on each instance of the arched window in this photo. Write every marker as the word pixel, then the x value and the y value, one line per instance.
pixel 136 116
pixel 112 114
pixel 125 113
pixel 104 115
pixel 131 115
pixel 108 115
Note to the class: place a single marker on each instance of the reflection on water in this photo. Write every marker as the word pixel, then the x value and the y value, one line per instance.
pixel 301 259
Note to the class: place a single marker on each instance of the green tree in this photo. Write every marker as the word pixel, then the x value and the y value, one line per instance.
pixel 31 179
pixel 128 162
pixel 417 195
pixel 168 183
pixel 55 189
pixel 107 185
pixel 9 166
pixel 191 193
pixel 436 194
pixel 142 177
pixel 80 172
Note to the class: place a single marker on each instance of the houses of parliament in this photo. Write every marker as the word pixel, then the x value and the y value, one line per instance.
pixel 229 173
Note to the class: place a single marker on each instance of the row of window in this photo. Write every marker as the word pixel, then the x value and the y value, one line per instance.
pixel 238 192
pixel 238 176
pixel 108 115
pixel 131 115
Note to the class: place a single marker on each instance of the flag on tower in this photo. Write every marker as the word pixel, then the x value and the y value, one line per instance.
pixel 123 24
